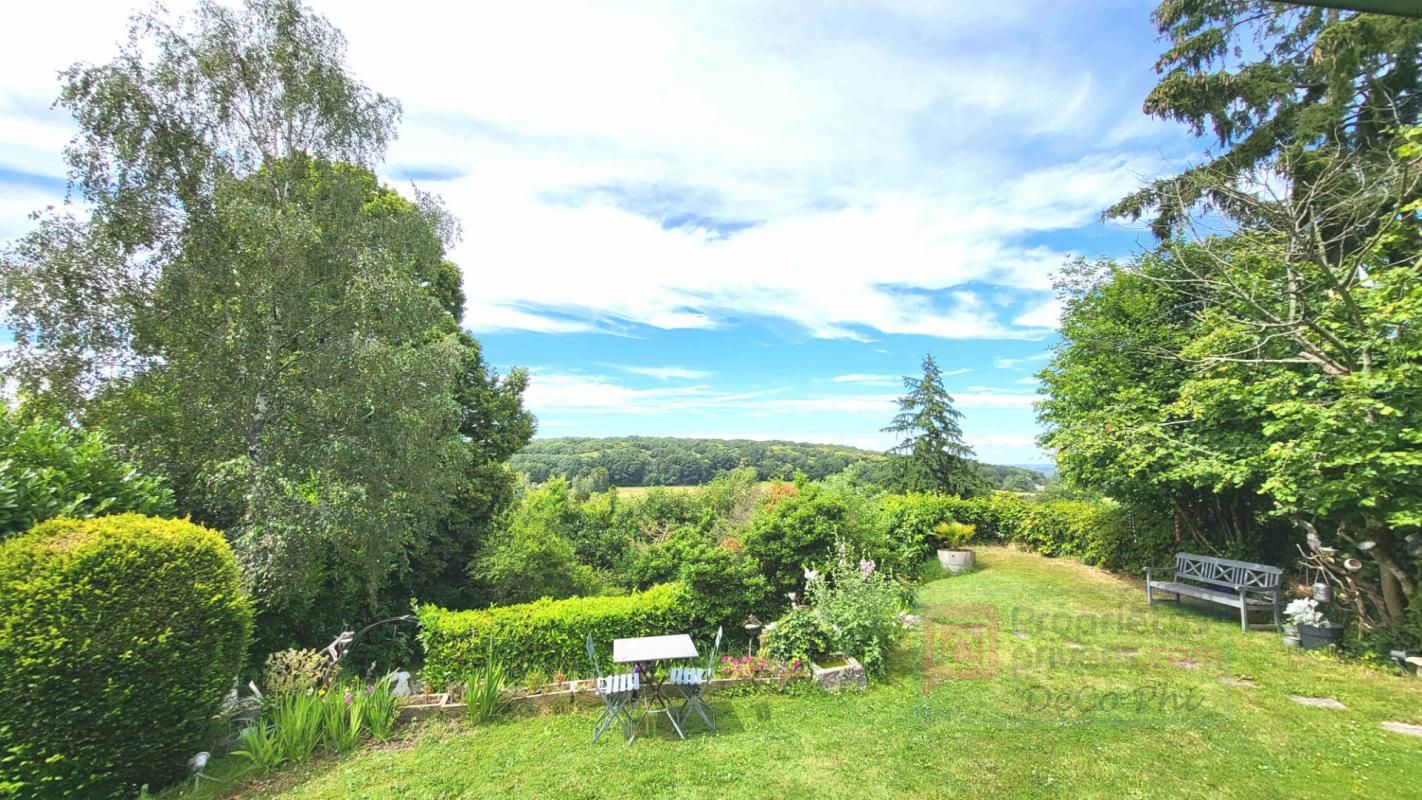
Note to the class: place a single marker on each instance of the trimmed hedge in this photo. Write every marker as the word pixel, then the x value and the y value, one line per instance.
pixel 547 635
pixel 119 637
pixel 1100 534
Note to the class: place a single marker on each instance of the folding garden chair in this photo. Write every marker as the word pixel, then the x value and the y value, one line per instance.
pixel 618 691
pixel 690 684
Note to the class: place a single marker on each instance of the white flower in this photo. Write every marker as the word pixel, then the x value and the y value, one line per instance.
pixel 811 574
pixel 1304 611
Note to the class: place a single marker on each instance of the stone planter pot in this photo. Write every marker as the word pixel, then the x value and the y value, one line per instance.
pixel 956 561
pixel 849 675
pixel 1318 638
pixel 1290 636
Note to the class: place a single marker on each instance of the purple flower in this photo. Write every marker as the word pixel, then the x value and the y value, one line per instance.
pixel 866 568
pixel 349 697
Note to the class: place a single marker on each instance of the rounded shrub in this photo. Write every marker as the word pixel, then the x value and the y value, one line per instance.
pixel 119 637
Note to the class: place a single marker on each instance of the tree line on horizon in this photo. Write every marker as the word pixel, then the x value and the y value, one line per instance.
pixel 595 464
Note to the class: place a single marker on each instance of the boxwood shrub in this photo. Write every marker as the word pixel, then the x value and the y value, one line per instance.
pixel 548 636
pixel 119 637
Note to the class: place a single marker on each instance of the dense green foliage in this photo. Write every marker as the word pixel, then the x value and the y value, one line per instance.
pixel 1107 720
pixel 533 557
pixel 596 464
pixel 294 725
pixel 241 307
pixel 1264 79
pixel 1098 533
pixel 547 635
pixel 931 455
pixel 49 469
pixel 119 637
pixel 1263 383
pixel 858 607
pixel 735 548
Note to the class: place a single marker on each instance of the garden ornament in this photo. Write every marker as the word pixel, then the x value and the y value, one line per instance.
pixel 402 684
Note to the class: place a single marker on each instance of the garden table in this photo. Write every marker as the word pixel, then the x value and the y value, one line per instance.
pixel 645 652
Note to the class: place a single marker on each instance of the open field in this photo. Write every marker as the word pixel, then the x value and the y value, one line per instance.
pixel 641 491
pixel 1078 690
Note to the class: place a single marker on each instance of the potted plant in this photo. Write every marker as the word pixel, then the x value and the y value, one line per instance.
pixel 952 539
pixel 1315 631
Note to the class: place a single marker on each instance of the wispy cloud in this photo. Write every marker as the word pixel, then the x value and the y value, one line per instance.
pixel 663 373
pixel 868 379
pixel 1021 363
pixel 570 393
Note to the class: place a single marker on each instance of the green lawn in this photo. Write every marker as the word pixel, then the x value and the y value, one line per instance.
pixel 1062 628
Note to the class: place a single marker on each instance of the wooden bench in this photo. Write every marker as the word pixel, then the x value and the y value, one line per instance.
pixel 1238 584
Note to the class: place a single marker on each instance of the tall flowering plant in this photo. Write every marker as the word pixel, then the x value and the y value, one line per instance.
pixel 859 605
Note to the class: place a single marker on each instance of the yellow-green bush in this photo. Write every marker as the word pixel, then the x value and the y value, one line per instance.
pixel 119 637
pixel 547 635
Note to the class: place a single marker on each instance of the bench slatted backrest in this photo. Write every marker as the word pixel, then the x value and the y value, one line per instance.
pixel 1226 571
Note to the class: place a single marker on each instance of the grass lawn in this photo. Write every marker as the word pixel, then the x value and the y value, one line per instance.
pixel 1036 722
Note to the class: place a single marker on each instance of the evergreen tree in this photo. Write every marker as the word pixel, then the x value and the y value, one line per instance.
pixel 933 455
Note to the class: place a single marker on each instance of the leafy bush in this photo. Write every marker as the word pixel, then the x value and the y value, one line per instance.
pixel 49 469
pixel 1100 533
pixel 119 637
pixel 297 671
pixel 547 635
pixel 796 530
pixel 724 586
pixel 914 520
pixel 534 558
pixel 800 635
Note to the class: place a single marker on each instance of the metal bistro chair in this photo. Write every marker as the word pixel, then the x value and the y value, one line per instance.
pixel 690 683
pixel 618 691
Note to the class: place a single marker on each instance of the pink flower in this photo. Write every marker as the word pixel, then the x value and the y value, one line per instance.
pixel 866 568
pixel 349 698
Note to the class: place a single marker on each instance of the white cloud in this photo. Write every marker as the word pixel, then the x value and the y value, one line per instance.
pixel 1045 315
pixel 868 379
pixel 664 373
pixel 1021 363
pixel 889 163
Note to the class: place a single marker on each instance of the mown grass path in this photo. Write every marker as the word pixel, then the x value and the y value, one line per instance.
pixel 1089 694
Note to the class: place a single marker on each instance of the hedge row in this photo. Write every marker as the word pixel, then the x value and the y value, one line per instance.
pixel 547 635
pixel 119 637
pixel 1100 534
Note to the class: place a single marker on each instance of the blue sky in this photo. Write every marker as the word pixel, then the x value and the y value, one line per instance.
pixel 732 219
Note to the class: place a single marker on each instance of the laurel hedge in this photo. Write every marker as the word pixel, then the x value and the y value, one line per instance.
pixel 547 636
pixel 1099 533
pixel 119 637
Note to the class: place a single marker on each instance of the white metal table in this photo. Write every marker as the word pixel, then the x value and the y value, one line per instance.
pixel 646 651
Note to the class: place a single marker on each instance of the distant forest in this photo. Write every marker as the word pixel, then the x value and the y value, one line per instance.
pixel 669 461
